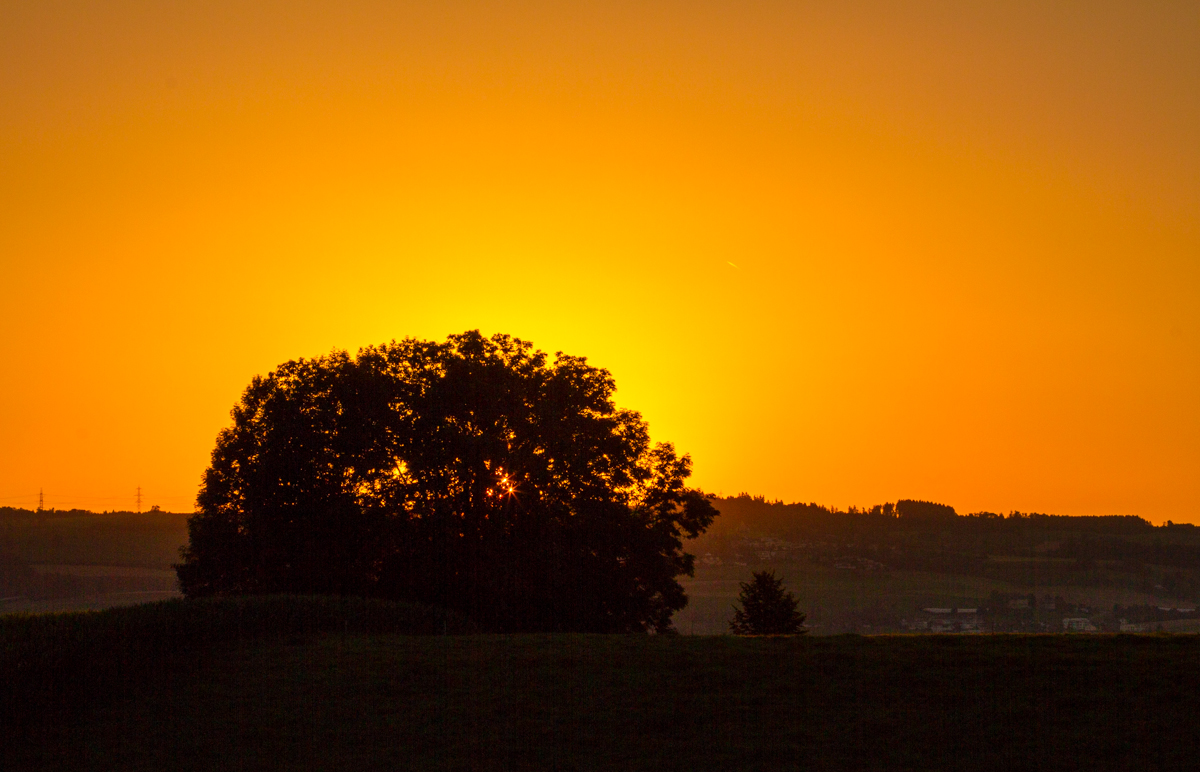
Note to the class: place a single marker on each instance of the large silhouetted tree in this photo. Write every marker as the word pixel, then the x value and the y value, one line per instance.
pixel 475 474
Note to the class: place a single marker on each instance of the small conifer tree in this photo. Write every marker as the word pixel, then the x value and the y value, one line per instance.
pixel 767 609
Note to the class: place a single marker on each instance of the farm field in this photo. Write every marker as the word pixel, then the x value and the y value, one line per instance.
pixel 145 540
pixel 835 601
pixel 79 561
pixel 355 700
pixel 838 601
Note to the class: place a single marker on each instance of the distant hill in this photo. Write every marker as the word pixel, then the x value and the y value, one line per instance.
pixel 893 559
pixel 79 537
pixel 757 514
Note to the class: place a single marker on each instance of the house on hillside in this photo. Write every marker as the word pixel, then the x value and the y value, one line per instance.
pixel 945 620
pixel 858 564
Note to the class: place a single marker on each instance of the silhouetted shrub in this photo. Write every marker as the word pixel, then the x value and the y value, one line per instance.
pixel 767 609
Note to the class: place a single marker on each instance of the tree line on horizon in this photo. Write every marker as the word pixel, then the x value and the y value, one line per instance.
pixel 758 510
pixel 908 511
pixel 111 535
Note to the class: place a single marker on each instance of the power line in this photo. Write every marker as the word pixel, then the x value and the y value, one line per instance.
pixel 37 500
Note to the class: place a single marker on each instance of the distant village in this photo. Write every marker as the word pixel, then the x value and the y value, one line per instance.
pixel 1013 614
pixel 1015 610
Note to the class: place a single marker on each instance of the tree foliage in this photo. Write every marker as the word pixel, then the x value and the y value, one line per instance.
pixel 767 609
pixel 910 510
pixel 476 474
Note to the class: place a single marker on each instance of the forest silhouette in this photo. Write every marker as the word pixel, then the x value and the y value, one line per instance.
pixel 475 474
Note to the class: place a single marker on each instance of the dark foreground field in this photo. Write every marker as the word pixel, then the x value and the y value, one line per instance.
pixel 361 698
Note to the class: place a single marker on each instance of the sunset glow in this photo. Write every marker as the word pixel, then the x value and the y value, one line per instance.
pixel 838 252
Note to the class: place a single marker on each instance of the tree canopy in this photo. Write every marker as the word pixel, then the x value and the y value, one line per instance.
pixel 767 609
pixel 476 474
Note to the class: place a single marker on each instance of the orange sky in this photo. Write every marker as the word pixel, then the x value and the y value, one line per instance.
pixel 842 252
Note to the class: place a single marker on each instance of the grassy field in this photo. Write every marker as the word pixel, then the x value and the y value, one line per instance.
pixel 98 587
pixel 338 692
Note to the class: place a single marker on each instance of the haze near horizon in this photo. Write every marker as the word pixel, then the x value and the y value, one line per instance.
pixel 844 253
